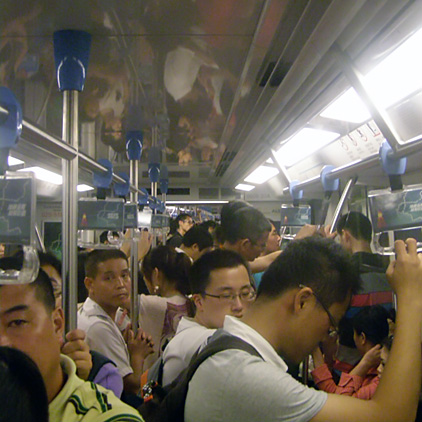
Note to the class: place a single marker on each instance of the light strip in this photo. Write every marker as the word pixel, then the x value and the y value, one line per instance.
pixel 195 202
pixel 303 144
pixel 12 161
pixel 261 175
pixel 45 175
pixel 84 188
pixel 246 188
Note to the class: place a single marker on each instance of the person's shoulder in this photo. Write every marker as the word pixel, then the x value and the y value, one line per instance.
pixel 92 403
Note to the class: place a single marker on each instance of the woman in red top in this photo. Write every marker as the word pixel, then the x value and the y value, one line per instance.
pixel 370 328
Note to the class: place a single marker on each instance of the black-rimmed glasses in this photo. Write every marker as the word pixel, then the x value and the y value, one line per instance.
pixel 333 330
pixel 247 296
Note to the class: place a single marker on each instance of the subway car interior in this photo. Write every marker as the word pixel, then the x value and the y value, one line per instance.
pixel 118 115
pixel 305 109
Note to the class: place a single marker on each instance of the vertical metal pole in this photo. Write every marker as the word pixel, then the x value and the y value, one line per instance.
pixel 344 196
pixel 134 265
pixel 70 210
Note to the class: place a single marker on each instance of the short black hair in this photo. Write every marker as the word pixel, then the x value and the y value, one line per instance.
pixel 357 223
pixel 373 321
pixel 22 388
pixel 174 265
pixel 43 288
pixel 200 272
pixel 98 256
pixel 198 235
pixel 47 258
pixel 244 223
pixel 182 217
pixel 207 224
pixel 315 262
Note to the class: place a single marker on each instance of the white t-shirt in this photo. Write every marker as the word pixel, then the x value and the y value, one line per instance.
pixel 235 386
pixel 104 336
pixel 190 336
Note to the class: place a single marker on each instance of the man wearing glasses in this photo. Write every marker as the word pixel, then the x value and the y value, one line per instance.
pixel 300 300
pixel 220 286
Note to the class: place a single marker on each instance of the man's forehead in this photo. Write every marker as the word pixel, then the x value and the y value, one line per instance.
pixel 15 295
pixel 229 277
pixel 113 264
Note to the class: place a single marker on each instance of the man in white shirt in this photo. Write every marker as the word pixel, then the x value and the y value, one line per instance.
pixel 302 296
pixel 220 286
pixel 108 283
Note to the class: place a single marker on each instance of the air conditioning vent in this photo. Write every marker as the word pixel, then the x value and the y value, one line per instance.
pixel 172 191
pixel 225 161
pixel 172 174
pixel 208 193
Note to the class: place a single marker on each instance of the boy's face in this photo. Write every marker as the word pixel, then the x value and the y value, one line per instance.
pixel 110 288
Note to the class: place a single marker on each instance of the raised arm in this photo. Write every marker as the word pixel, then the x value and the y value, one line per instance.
pixel 397 395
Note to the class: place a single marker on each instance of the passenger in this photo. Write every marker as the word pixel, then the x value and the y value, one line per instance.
pixel 183 223
pixel 30 322
pixel 90 365
pixel 22 388
pixel 196 242
pixel 245 231
pixel 166 275
pixel 220 286
pixel 273 245
pixel 108 283
pixel 355 233
pixel 302 296
pixel 209 225
pixel 370 326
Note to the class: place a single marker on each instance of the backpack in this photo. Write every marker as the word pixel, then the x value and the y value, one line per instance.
pixel 165 404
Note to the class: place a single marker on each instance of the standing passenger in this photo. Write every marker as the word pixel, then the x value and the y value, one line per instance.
pixel 30 322
pixel 220 286
pixel 183 223
pixel 108 283
pixel 196 242
pixel 302 296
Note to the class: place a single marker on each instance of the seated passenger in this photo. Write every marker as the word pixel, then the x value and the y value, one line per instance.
pixel 302 296
pixel 90 365
pixel 166 275
pixel 370 327
pixel 108 283
pixel 220 286
pixel 30 322
pixel 22 388
pixel 196 242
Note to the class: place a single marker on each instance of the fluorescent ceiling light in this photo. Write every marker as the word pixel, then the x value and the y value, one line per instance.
pixel 242 186
pixel 195 202
pixel 303 144
pixel 84 188
pixel 348 107
pixel 270 161
pixel 398 75
pixel 12 161
pixel 261 175
pixel 45 175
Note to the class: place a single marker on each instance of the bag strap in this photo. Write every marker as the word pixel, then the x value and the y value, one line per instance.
pixel 222 341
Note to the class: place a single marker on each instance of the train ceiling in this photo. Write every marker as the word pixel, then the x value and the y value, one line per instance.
pixel 216 84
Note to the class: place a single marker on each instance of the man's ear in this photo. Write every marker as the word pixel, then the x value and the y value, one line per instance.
pixel 58 322
pixel 243 245
pixel 198 301
pixel 88 281
pixel 302 298
pixel 362 338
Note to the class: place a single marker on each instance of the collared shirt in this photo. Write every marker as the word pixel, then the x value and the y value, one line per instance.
pixel 190 336
pixel 85 401
pixel 233 385
pixel 104 336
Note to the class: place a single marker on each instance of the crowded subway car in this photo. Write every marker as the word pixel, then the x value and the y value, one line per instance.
pixel 210 210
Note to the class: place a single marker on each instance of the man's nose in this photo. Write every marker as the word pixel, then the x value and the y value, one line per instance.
pixel 237 304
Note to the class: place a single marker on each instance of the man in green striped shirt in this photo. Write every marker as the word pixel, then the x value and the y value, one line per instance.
pixel 30 322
